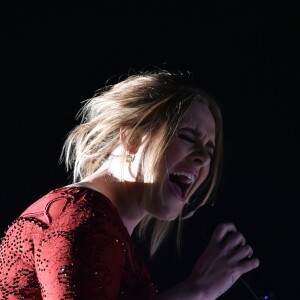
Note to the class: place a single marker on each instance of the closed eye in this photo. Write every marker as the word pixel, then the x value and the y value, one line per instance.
pixel 192 140
pixel 187 137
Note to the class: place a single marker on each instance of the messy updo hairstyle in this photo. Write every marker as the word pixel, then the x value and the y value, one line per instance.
pixel 149 105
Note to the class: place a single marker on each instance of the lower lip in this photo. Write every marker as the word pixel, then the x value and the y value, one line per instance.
pixel 176 191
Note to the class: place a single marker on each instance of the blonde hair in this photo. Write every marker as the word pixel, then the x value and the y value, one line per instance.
pixel 148 104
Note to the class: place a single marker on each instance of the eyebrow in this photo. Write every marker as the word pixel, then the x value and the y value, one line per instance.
pixel 197 133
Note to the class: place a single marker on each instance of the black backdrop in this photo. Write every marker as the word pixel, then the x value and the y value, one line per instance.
pixel 56 54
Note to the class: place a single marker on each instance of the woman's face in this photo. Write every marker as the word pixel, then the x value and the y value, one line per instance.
pixel 186 163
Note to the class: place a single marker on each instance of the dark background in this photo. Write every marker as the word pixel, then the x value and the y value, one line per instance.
pixel 56 54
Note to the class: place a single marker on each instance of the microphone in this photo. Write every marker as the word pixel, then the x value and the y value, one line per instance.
pixel 252 281
pixel 255 287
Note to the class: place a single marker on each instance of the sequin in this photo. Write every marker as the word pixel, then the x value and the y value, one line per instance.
pixel 71 244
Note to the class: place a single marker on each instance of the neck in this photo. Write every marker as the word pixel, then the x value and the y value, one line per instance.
pixel 125 196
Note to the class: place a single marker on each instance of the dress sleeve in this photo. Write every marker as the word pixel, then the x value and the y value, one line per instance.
pixel 81 255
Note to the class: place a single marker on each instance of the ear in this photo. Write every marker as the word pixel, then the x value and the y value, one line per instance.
pixel 130 148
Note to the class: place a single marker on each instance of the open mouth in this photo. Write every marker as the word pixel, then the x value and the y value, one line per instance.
pixel 183 180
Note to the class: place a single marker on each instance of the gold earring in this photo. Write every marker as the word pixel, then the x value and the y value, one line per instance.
pixel 130 158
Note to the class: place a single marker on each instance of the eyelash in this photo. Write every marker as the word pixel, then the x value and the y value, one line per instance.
pixel 193 141
pixel 186 138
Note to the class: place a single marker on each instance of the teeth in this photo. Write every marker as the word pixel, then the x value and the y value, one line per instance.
pixel 190 177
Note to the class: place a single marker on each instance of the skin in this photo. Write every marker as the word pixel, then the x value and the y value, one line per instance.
pixel 227 255
pixel 190 152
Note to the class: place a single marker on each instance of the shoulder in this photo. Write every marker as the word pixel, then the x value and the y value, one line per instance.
pixel 71 205
pixel 77 214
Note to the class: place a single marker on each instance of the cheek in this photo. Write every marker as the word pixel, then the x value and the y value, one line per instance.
pixel 203 176
pixel 173 152
pixel 206 171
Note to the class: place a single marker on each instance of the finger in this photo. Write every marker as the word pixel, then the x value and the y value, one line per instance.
pixel 222 230
pixel 248 265
pixel 244 252
pixel 235 239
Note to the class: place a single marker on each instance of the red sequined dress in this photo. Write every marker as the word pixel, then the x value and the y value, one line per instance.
pixel 72 244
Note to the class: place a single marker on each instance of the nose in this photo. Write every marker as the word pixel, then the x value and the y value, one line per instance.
pixel 201 157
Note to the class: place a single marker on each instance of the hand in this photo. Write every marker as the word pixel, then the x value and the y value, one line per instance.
pixel 225 259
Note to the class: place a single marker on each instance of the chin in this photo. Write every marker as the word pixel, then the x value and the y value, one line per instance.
pixel 165 207
pixel 171 218
pixel 166 214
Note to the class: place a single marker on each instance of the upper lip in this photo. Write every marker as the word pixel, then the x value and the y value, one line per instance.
pixel 187 172
pixel 190 176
